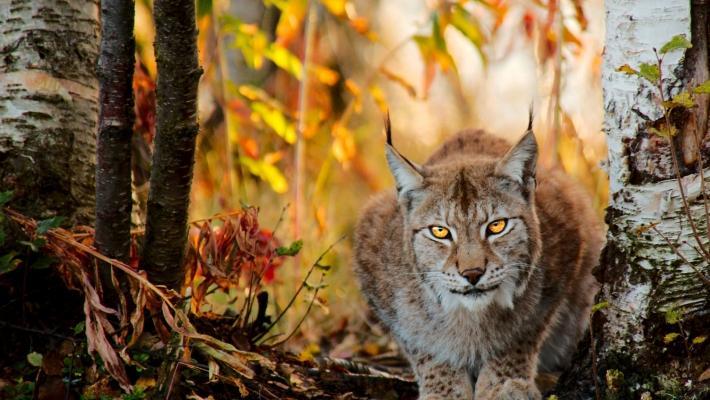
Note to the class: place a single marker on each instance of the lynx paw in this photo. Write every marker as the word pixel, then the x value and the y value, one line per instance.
pixel 518 389
pixel 509 389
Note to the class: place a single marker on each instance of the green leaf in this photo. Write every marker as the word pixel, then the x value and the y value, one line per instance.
pixel 291 250
pixel 677 42
pixel 79 327
pixel 9 263
pixel 5 197
pixel 703 88
pixel 664 131
pixel 43 262
pixel 314 287
pixel 2 234
pixel 467 25
pixel 437 35
pixel 674 315
pixel 50 223
pixel 682 99
pixel 600 306
pixel 34 245
pixel 626 68
pixel 35 359
pixel 323 267
pixel 670 337
pixel 204 7
pixel 649 72
pixel 699 339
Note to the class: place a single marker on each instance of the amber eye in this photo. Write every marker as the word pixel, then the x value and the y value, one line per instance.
pixel 439 232
pixel 496 226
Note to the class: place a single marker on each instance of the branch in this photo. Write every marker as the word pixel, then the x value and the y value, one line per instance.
pixel 176 129
pixel 116 117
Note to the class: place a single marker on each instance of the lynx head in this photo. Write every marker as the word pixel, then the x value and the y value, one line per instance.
pixel 470 223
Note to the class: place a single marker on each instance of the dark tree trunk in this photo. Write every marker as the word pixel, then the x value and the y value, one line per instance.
pixel 113 167
pixel 176 129
pixel 48 112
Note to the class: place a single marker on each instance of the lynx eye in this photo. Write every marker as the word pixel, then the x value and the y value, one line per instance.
pixel 496 226
pixel 440 232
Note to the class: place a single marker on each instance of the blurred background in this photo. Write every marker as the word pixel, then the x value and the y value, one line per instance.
pixel 291 107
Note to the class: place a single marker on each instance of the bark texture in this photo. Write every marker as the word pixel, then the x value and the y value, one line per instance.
pixel 48 106
pixel 176 129
pixel 643 279
pixel 113 167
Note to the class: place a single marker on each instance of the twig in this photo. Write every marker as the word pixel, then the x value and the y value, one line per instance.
pixel 686 208
pixel 302 108
pixel 37 331
pixel 172 380
pixel 231 128
pixel 305 314
pixel 702 276
pixel 300 288
pixel 702 179
pixel 224 378
pixel 65 237
pixel 593 350
pixel 674 159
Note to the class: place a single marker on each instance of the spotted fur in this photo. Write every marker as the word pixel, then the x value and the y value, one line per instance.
pixel 527 311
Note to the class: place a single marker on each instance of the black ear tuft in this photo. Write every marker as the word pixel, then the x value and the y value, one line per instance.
pixel 388 128
pixel 530 117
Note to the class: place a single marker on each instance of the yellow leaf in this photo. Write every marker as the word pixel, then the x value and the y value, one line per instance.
pixel 670 337
pixel 270 173
pixel 355 90
pixel 276 120
pixel 371 348
pixel 379 97
pixel 325 75
pixel 275 178
pixel 285 60
pixel 309 352
pixel 626 68
pixel 146 382
pixel 290 21
pixel 699 339
pixel 353 87
pixel 335 7
pixel 343 144
pixel 273 158
pixel 400 81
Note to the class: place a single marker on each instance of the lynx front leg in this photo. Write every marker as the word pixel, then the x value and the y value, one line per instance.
pixel 439 381
pixel 510 377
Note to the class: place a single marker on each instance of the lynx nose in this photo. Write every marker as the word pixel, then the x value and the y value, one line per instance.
pixel 473 275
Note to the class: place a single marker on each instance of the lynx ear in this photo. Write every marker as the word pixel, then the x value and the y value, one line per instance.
pixel 520 161
pixel 406 174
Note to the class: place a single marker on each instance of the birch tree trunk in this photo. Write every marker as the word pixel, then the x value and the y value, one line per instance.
pixel 649 336
pixel 48 106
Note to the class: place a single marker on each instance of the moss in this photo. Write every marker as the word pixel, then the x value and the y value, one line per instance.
pixel 614 381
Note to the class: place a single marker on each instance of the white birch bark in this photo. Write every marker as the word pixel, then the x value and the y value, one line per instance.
pixel 643 277
pixel 48 105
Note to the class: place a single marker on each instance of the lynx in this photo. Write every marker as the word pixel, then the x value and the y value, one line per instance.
pixel 479 266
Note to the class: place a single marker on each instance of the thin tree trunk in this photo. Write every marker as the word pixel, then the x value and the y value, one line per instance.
pixel 176 128
pixel 48 106
pixel 113 168
pixel 652 271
